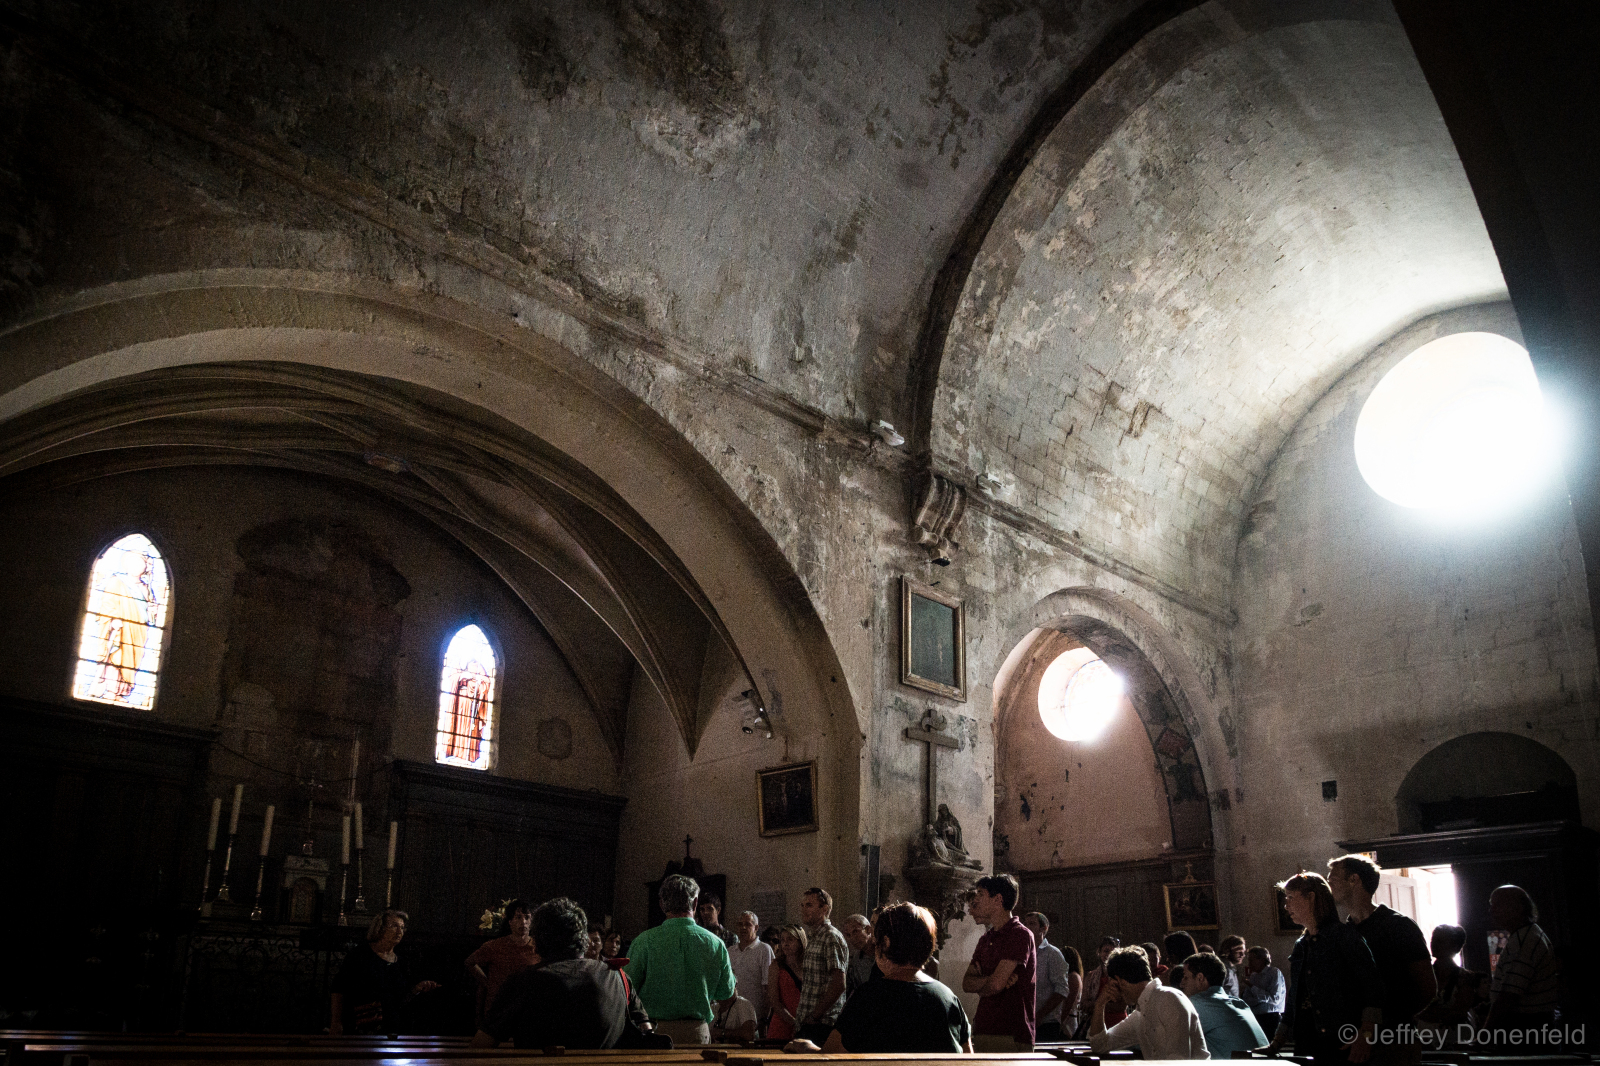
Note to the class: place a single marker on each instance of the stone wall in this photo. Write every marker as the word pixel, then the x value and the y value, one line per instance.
pixel 1368 635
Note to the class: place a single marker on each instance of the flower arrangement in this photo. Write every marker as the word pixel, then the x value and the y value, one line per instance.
pixel 492 917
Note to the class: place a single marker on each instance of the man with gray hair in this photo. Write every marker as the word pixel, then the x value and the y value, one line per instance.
pixel 752 964
pixel 863 964
pixel 680 969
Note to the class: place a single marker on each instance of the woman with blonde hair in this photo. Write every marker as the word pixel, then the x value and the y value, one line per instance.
pixel 374 982
pixel 783 983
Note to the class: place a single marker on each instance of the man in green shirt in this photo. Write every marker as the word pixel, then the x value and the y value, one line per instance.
pixel 680 969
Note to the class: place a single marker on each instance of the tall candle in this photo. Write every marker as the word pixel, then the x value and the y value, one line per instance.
pixel 394 835
pixel 216 816
pixel 344 842
pixel 238 801
pixel 266 831
pixel 359 843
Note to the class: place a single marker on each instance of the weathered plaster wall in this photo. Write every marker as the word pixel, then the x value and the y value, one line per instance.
pixel 1189 260
pixel 647 155
pixel 220 633
pixel 1076 803
pixel 1368 635
pixel 713 799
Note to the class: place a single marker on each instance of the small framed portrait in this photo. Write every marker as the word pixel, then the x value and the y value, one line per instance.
pixel 1191 905
pixel 933 640
pixel 786 799
pixel 1280 903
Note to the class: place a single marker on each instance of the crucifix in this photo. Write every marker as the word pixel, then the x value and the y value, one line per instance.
pixel 927 732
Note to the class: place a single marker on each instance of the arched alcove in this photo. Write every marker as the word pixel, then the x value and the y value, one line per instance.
pixel 1161 789
pixel 1486 779
pixel 1169 741
pixel 567 486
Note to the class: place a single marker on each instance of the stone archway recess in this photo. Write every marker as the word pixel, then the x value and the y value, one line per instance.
pixel 352 326
pixel 1163 686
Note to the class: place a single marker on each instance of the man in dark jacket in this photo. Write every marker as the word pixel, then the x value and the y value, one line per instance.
pixel 566 999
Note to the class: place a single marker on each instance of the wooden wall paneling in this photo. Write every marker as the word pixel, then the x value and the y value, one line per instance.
pixel 472 839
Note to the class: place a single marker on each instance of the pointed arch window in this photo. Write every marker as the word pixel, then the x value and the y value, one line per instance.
pixel 124 625
pixel 466 701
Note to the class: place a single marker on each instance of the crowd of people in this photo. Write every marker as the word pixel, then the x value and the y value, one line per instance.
pixel 1365 988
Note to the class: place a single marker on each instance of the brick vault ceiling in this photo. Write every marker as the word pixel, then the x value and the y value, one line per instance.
pixel 1145 327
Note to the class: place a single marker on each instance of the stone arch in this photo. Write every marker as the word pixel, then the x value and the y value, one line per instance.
pixel 365 343
pixel 1163 686
pixel 1487 778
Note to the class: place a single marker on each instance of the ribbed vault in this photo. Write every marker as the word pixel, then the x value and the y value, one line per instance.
pixel 600 582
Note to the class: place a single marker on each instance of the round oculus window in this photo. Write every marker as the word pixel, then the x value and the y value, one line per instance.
pixel 1457 426
pixel 1078 695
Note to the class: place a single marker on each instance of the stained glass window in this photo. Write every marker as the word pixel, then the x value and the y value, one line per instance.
pixel 466 701
pixel 119 653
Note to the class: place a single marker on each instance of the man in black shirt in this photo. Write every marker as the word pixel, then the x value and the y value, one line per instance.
pixel 566 999
pixel 1405 966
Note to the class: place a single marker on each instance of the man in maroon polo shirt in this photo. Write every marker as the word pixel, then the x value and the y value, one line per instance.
pixel 1003 970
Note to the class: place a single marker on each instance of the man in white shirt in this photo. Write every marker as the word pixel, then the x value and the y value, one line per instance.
pixel 733 1021
pixel 752 963
pixel 1165 1024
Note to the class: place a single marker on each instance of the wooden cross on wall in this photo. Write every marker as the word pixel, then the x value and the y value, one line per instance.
pixel 926 732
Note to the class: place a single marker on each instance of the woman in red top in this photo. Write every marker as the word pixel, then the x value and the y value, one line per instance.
pixel 783 983
pixel 504 956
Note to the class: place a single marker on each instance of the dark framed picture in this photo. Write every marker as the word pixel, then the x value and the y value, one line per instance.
pixel 786 799
pixel 1191 905
pixel 933 640
pixel 1280 903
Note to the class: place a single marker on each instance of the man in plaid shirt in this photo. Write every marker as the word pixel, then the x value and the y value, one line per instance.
pixel 822 970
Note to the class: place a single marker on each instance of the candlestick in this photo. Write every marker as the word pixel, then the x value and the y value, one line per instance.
pixel 359 842
pixel 261 873
pixel 344 879
pixel 344 840
pixel 359 907
pixel 238 800
pixel 223 895
pixel 388 887
pixel 211 850
pixel 261 867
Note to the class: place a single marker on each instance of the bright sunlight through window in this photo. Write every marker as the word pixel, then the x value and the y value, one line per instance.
pixel 1457 427
pixel 1078 695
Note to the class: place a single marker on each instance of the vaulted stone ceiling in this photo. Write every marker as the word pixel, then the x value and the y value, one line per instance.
pixel 1189 219
pixel 1200 249
pixel 774 185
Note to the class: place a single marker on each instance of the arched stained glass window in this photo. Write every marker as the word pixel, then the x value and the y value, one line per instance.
pixel 124 625
pixel 466 701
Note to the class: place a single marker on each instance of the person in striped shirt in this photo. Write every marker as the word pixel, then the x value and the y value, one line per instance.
pixel 1524 991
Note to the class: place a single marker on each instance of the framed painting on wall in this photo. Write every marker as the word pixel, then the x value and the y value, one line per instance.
pixel 933 640
pixel 786 799
pixel 1191 905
